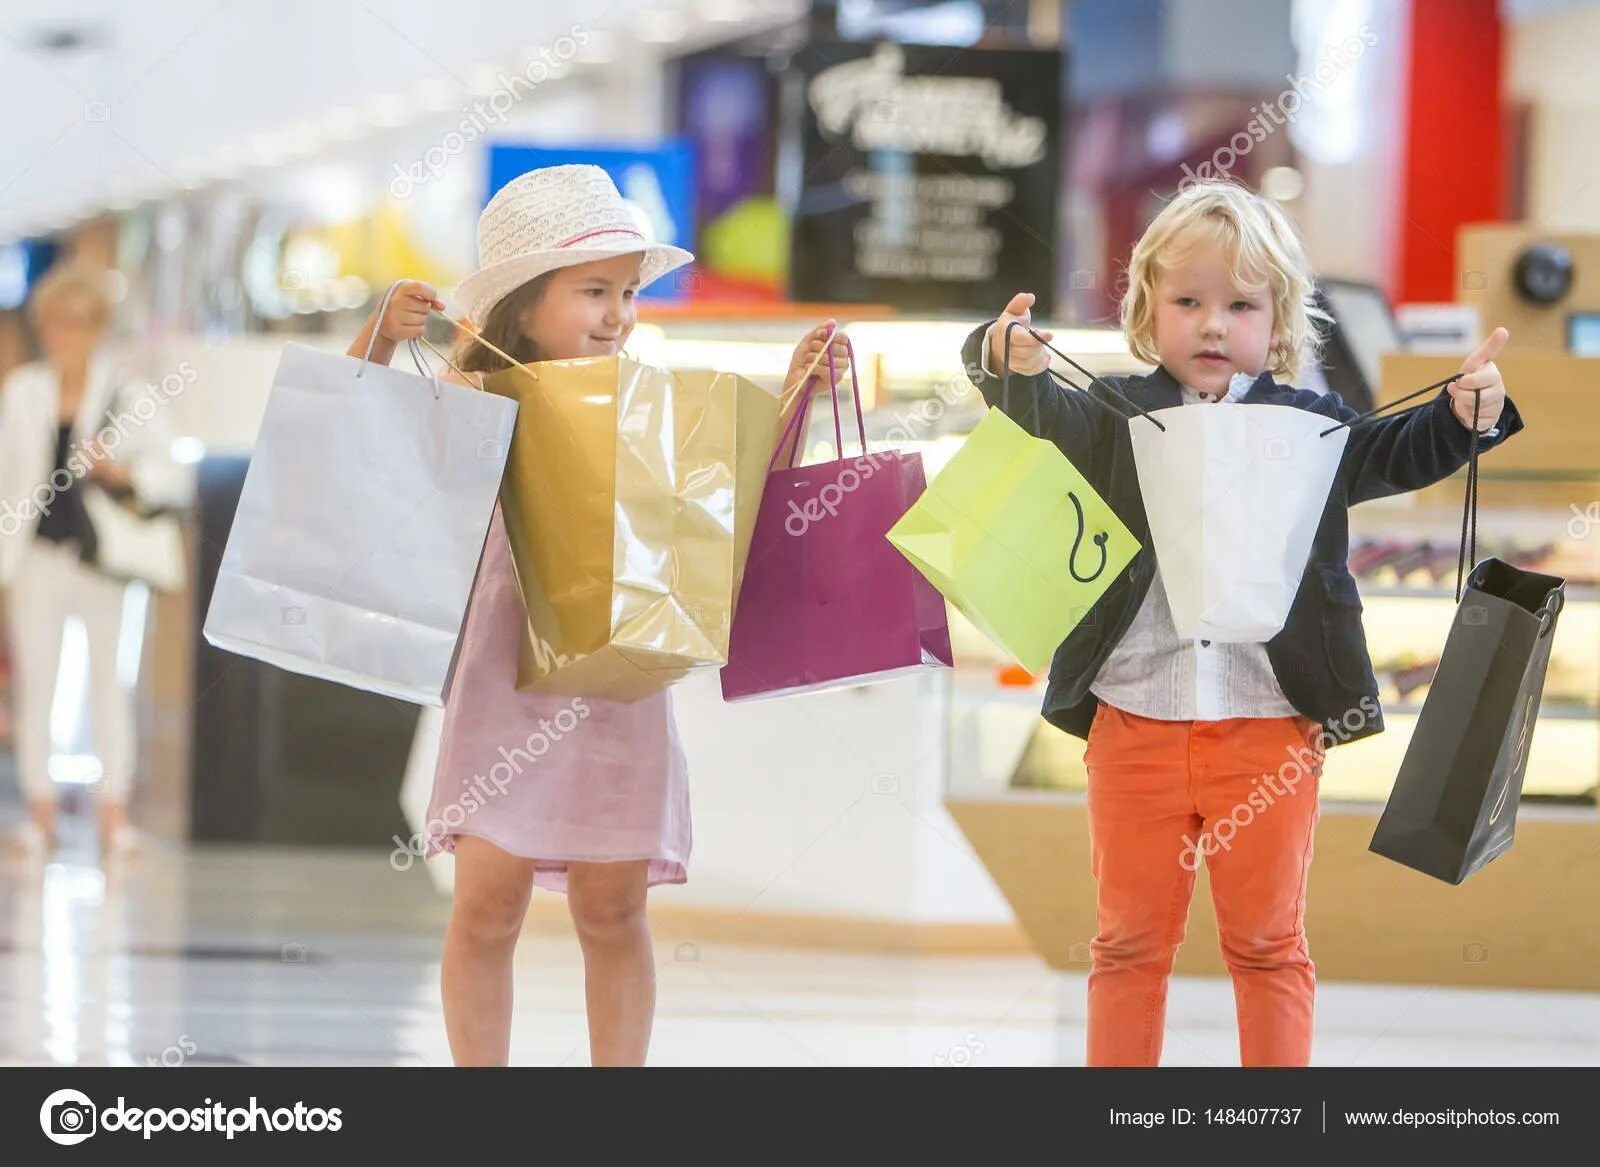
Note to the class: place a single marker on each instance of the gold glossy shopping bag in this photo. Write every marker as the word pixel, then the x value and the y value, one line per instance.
pixel 629 500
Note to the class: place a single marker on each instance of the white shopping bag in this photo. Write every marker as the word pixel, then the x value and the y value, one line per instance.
pixel 1234 494
pixel 363 517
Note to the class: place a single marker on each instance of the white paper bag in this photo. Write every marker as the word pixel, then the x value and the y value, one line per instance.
pixel 1234 494
pixel 359 529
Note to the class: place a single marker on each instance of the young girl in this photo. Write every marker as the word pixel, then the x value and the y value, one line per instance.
pixel 1183 734
pixel 601 811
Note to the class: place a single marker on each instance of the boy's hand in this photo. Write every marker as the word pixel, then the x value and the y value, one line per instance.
pixel 407 311
pixel 1482 375
pixel 1028 356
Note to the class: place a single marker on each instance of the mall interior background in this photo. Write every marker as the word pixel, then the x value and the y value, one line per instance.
pixel 255 173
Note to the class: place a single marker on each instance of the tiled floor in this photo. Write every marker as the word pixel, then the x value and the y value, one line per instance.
pixel 272 957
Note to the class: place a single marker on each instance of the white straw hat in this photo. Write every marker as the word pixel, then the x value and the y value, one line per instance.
pixel 553 217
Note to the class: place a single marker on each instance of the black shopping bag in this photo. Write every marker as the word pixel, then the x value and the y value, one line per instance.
pixel 1454 803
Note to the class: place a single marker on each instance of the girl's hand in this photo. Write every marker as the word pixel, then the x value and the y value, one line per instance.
pixel 806 351
pixel 1028 356
pixel 407 311
pixel 1481 374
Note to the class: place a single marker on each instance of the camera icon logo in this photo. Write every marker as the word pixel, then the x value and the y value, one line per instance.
pixel 68 1117
pixel 294 615
pixel 490 448
pixel 294 954
pixel 1278 449
pixel 1475 614
pixel 96 111
pixel 1476 280
pixel 1081 278
pixel 1475 953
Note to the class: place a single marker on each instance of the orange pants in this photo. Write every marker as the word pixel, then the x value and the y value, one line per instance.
pixel 1241 794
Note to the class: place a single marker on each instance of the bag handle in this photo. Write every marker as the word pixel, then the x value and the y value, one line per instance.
pixel 1005 381
pixel 415 345
pixel 412 346
pixel 799 386
pixel 1469 512
pixel 1103 537
pixel 1468 552
pixel 470 334
pixel 792 432
pixel 1372 413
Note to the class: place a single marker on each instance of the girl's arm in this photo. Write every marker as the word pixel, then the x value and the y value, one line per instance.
pixel 796 383
pixel 404 317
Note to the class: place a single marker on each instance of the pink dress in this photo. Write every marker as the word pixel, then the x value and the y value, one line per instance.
pixel 551 778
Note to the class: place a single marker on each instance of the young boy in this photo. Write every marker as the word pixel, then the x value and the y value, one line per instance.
pixel 1181 734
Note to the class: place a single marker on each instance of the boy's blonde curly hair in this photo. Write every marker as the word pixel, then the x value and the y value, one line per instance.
pixel 1263 252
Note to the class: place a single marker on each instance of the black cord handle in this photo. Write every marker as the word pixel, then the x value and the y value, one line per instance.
pixel 1468 553
pixel 1005 382
pixel 1466 558
pixel 1371 413
pixel 1469 516
pixel 1005 379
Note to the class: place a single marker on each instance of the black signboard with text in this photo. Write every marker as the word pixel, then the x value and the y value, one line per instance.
pixel 930 176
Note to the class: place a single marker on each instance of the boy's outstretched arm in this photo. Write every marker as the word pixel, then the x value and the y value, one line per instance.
pixel 1425 445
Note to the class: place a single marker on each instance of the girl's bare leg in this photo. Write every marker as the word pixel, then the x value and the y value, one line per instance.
pixel 607 901
pixel 492 889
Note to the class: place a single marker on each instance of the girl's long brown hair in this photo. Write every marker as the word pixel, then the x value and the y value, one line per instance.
pixel 503 329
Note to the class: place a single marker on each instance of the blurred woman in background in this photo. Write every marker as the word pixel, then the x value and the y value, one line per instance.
pixel 56 446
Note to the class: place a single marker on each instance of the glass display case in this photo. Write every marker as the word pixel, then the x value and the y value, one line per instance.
pixel 1404 557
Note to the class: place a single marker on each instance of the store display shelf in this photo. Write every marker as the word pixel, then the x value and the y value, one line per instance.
pixel 1003 694
pixel 1530 474
pixel 1576 594
pixel 1034 698
pixel 1546 711
pixel 1406 519
pixel 1574 808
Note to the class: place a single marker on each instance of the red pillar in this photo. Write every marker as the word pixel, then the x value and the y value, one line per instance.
pixel 1453 153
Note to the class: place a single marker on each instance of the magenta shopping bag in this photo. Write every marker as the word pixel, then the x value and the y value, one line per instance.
pixel 827 600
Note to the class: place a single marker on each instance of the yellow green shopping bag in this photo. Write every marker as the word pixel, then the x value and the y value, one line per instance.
pixel 1016 538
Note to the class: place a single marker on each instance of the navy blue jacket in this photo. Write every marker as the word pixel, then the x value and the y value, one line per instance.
pixel 1320 656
